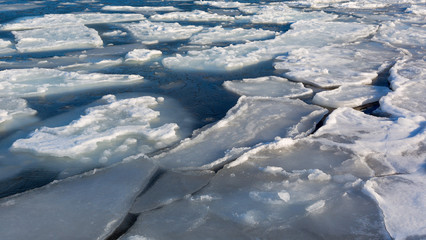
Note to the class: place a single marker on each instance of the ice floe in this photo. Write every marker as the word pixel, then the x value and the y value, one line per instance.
pixel 15 112
pixel 221 4
pixel 95 203
pixel 19 6
pixel 219 35
pixel 350 96
pixel 390 145
pixel 408 80
pixel 40 82
pixel 314 3
pixel 161 32
pixel 57 38
pixel 402 34
pixel 119 126
pixel 252 121
pixel 61 20
pixel 194 16
pixel 6 47
pixel 271 86
pixel 402 200
pixel 337 65
pixel 142 55
pixel 140 9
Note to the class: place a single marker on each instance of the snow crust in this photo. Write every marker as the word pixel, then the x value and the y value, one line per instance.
pixel 219 34
pixel 15 112
pixel 142 55
pixel 57 38
pixel 161 32
pixel 278 117
pixel 271 86
pixel 118 126
pixel 194 16
pixel 95 203
pixel 350 96
pixel 40 82
pixel 61 20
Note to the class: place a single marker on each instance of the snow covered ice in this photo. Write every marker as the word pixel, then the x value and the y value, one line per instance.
pixel 221 119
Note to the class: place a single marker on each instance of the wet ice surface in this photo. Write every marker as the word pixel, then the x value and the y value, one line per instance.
pixel 206 119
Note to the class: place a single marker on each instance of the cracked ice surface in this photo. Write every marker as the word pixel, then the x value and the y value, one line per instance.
pixel 350 96
pixel 117 127
pixel 252 121
pixel 57 38
pixel 271 86
pixel 41 82
pixel 161 32
pixel 95 203
pixel 60 20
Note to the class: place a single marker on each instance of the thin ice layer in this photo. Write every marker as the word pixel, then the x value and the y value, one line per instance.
pixel 62 20
pixel 408 80
pixel 280 13
pixel 6 47
pixel 142 55
pixel 140 9
pixel 87 206
pixel 115 127
pixel 194 16
pixel 271 86
pixel 402 200
pixel 350 96
pixel 57 38
pixel 337 65
pixel 219 34
pixel 252 121
pixel 14 112
pixel 394 145
pixel 161 32
pixel 40 82
pixel 314 33
pixel 404 34
pixel 290 188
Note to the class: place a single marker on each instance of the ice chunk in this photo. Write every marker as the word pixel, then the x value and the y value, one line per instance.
pixel 219 34
pixel 6 47
pixel 403 200
pixel 142 55
pixel 404 34
pixel 314 3
pixel 41 82
pixel 337 65
pixel 253 120
pixel 162 32
pixel 114 33
pixel 350 96
pixel 170 187
pixel 408 80
pixel 140 9
pixel 61 20
pixel 395 145
pixel 194 16
pixel 317 206
pixel 120 126
pixel 268 87
pixel 221 4
pixel 95 203
pixel 57 38
pixel 14 112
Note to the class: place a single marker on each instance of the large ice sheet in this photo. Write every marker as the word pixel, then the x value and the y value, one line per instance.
pixel 40 82
pixel 120 127
pixel 15 112
pixel 142 55
pixel 194 16
pixel 408 80
pixel 141 9
pixel 271 86
pixel 394 145
pixel 350 96
pixel 252 121
pixel 219 34
pixel 5 47
pixel 61 20
pixel 403 200
pixel 337 65
pixel 289 190
pixel 161 32
pixel 402 34
pixel 57 38
pixel 88 206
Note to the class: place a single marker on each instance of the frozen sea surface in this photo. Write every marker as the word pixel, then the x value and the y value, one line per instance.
pixel 183 119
